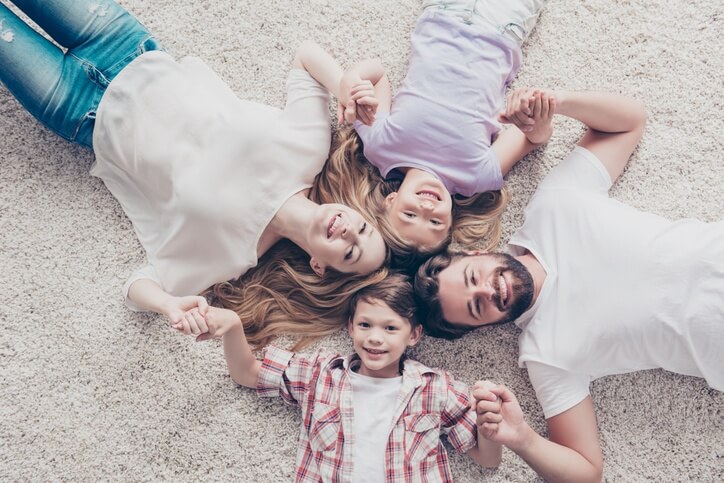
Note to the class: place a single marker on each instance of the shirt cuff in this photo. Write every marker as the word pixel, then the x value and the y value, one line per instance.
pixel 275 361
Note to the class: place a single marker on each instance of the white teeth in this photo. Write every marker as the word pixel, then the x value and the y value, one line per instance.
pixel 429 195
pixel 503 289
pixel 335 224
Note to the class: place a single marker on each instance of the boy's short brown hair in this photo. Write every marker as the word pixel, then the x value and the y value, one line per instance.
pixel 396 291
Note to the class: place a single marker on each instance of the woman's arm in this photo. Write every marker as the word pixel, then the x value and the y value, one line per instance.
pixel 148 295
pixel 320 65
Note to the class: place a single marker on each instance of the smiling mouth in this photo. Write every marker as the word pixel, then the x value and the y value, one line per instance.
pixel 333 225
pixel 430 195
pixel 503 294
pixel 375 351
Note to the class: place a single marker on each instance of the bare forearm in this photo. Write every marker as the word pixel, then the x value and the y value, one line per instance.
pixel 369 69
pixel 555 462
pixel 486 453
pixel 320 65
pixel 149 295
pixel 243 366
pixel 602 111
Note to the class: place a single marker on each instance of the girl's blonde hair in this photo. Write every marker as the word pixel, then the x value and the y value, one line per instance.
pixel 476 219
pixel 282 295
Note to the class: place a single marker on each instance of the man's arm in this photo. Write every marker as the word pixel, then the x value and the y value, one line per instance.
pixel 572 454
pixel 615 125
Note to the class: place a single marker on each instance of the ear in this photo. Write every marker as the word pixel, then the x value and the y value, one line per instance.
pixel 474 252
pixel 415 336
pixel 350 327
pixel 389 199
pixel 316 266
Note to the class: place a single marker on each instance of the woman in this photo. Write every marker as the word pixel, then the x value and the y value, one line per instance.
pixel 210 182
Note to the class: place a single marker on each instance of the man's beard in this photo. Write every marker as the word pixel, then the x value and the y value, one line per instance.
pixel 521 286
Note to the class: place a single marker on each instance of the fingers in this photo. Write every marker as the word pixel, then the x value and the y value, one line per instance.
pixel 350 112
pixel 203 305
pixel 488 418
pixel 505 394
pixel 196 323
pixel 203 337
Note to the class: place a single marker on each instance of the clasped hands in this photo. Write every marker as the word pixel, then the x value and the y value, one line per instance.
pixel 357 100
pixel 499 416
pixel 193 316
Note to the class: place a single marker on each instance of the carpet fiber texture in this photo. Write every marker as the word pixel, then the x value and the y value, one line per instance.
pixel 91 391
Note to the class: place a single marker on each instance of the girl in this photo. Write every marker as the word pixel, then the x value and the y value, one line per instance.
pixel 209 181
pixel 438 144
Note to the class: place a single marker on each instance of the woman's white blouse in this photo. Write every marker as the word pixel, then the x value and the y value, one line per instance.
pixel 200 172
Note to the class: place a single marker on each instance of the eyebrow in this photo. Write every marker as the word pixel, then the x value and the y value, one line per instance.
pixel 467 283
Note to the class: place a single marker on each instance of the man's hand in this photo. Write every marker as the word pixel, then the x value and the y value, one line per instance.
pixel 531 111
pixel 176 307
pixel 500 418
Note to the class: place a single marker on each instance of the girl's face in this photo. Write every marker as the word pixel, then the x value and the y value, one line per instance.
pixel 339 237
pixel 421 210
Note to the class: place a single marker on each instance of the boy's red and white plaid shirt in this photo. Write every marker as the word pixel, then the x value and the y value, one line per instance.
pixel 430 404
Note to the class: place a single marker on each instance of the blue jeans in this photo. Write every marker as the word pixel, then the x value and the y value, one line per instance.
pixel 62 87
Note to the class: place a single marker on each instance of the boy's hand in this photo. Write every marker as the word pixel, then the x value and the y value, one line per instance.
pixel 176 308
pixel 219 322
pixel 500 418
pixel 531 111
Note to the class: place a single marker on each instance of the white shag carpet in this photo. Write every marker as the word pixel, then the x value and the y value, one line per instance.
pixel 90 391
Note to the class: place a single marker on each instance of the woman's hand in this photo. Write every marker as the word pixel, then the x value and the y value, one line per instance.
pixel 214 324
pixel 357 99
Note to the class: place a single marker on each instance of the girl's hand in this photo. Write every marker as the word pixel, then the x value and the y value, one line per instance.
pixel 363 94
pixel 531 111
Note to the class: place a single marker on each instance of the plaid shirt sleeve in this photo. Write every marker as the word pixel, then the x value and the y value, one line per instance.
pixel 287 374
pixel 458 419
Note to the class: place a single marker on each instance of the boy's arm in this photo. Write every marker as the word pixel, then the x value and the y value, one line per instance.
pixel 531 113
pixel 225 324
pixel 573 453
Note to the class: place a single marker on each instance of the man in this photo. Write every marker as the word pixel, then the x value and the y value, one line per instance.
pixel 596 286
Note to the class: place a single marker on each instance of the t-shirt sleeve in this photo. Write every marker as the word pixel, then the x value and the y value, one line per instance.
pixel 458 419
pixel 490 176
pixel 307 99
pixel 557 390
pixel 579 170
pixel 287 374
pixel 147 272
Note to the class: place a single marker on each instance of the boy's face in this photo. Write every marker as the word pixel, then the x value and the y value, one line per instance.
pixel 380 337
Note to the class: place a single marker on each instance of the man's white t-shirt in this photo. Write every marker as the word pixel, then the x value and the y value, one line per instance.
pixel 625 290
pixel 200 172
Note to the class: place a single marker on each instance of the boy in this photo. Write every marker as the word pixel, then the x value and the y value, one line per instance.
pixel 374 415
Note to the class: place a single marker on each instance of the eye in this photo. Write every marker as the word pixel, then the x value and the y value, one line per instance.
pixel 364 227
pixel 390 328
pixel 473 279
pixel 363 325
pixel 348 255
pixel 409 214
pixel 436 222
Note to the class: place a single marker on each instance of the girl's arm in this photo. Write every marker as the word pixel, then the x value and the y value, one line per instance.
pixel 370 70
pixel 531 114
pixel 225 324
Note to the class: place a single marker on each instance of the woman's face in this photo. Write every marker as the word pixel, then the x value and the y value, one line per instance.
pixel 339 237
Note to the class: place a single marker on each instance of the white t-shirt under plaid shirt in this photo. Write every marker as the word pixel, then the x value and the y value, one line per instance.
pixel 430 404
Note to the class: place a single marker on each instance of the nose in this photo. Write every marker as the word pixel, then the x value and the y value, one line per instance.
pixel 427 205
pixel 374 337
pixel 345 230
pixel 485 290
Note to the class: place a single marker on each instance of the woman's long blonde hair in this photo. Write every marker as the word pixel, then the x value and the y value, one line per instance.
pixel 476 219
pixel 282 295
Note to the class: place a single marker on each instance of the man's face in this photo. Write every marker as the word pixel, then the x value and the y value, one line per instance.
pixel 484 289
